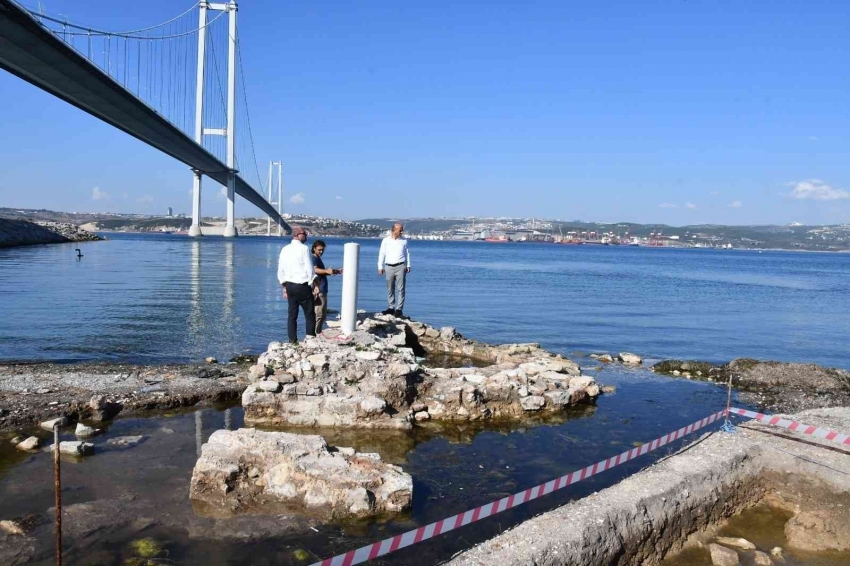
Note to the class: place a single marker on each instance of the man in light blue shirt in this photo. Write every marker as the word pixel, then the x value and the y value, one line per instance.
pixel 394 259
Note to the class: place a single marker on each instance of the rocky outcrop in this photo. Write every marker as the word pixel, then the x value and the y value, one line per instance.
pixel 688 368
pixel 629 358
pixel 373 379
pixel 251 471
pixel 776 386
pixel 23 233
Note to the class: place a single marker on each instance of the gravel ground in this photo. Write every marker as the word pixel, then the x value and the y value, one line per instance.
pixel 32 393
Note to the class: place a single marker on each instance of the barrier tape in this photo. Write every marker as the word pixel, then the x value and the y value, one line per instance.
pixel 415 536
pixel 815 431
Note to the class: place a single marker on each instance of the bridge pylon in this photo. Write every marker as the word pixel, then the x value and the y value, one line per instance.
pixel 275 165
pixel 229 131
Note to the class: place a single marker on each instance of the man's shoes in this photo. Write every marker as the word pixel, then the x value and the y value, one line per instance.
pixel 399 314
pixel 389 311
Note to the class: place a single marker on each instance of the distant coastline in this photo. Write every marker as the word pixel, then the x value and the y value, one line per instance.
pixel 791 237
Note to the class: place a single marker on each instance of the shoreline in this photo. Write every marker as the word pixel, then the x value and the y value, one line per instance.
pixel 32 393
pixel 33 390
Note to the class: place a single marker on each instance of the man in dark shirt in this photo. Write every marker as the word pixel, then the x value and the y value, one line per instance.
pixel 321 289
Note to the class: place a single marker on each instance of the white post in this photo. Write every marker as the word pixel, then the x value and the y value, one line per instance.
pixel 280 197
pixel 269 218
pixel 230 228
pixel 350 277
pixel 195 229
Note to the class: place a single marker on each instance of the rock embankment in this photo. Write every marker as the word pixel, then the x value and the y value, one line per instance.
pixel 373 379
pixel 773 386
pixel 251 471
pixel 22 233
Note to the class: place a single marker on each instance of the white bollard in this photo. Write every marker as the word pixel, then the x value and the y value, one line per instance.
pixel 350 277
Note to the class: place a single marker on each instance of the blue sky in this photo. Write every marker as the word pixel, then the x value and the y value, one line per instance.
pixel 656 111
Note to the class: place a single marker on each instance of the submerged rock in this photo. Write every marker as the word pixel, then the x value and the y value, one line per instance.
pixel 629 358
pixel 125 441
pixel 819 529
pixel 736 542
pixel 76 448
pixel 694 367
pixel 84 431
pixel 722 556
pixel 248 470
pixel 31 443
pixel 49 425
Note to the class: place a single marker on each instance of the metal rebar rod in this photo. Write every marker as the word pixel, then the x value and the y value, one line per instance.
pixel 57 485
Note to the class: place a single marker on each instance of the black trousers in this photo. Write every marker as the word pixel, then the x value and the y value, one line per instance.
pixel 300 295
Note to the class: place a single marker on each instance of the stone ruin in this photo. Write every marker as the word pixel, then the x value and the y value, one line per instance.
pixel 374 379
pixel 254 471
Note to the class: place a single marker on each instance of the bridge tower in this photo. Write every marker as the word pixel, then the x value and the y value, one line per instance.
pixel 275 165
pixel 229 131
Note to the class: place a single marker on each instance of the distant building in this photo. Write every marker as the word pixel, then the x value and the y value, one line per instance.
pixel 170 212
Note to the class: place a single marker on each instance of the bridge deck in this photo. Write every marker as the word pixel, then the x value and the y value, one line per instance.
pixel 36 55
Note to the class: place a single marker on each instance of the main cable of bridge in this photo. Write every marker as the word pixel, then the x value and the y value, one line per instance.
pixel 158 63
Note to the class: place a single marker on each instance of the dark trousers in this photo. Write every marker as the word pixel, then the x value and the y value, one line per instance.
pixel 300 295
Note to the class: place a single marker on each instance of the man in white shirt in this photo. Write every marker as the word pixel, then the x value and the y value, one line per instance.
pixel 296 275
pixel 394 259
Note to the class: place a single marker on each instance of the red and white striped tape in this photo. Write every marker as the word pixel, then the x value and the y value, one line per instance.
pixel 815 431
pixel 386 546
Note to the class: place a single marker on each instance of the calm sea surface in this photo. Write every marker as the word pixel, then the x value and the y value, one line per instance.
pixel 156 298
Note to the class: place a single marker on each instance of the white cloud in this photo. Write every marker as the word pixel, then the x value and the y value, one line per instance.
pixel 97 194
pixel 145 199
pixel 690 205
pixel 714 193
pixel 815 189
pixel 668 205
pixel 297 198
pixel 338 197
pixel 221 194
pixel 813 138
pixel 735 204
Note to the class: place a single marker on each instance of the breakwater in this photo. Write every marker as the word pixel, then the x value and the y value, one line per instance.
pixel 23 233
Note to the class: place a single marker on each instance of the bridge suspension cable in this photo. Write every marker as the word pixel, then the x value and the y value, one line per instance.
pixel 158 64
pixel 93 31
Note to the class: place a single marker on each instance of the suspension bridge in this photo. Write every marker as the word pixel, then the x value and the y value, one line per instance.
pixel 178 86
